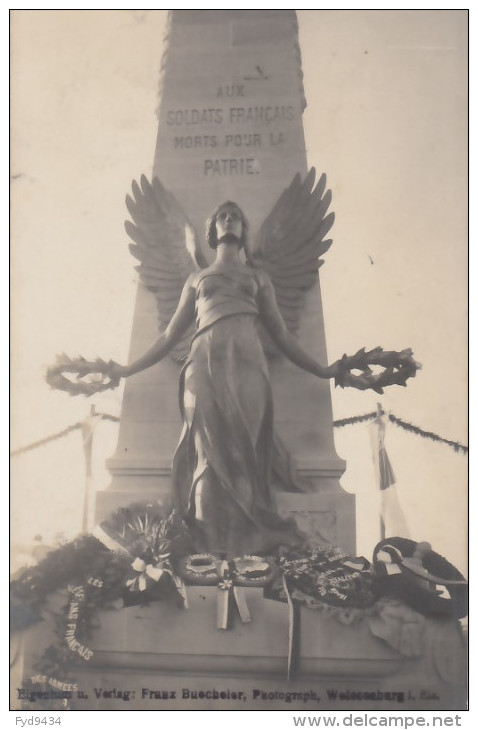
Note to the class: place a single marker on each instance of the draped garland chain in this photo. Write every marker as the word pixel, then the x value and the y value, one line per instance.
pixel 340 423
pixel 352 420
pixel 60 434
pixel 459 448
pixel 456 446
pixel 46 440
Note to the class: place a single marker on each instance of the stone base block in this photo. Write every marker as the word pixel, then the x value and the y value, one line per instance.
pixel 161 657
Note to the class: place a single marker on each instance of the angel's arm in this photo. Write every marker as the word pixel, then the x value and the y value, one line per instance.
pixel 179 323
pixel 287 343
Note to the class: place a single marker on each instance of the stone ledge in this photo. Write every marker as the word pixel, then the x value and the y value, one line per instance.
pixel 145 465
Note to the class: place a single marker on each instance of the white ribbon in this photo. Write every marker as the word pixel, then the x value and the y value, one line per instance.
pixel 391 567
pixel 150 571
pixel 108 541
pixel 155 573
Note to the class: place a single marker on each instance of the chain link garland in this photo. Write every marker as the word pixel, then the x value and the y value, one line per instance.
pixel 46 440
pixel 354 419
pixel 456 446
pixel 340 423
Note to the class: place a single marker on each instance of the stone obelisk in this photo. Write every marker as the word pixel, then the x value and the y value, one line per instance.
pixel 230 127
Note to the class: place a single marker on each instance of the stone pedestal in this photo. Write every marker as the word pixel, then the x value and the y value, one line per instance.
pixel 230 127
pixel 161 657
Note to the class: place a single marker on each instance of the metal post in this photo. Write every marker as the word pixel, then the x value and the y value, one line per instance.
pixel 380 413
pixel 87 428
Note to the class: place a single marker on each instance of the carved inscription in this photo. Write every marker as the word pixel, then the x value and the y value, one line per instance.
pixel 221 129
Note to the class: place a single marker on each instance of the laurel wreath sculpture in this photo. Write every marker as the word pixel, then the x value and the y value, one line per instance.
pixel 397 368
pixel 88 377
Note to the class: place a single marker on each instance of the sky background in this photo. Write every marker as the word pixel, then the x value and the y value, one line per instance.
pixel 386 120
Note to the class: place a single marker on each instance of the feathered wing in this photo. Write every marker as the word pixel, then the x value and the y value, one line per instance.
pixel 291 240
pixel 166 246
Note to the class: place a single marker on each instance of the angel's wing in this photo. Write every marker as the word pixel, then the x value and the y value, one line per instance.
pixel 166 246
pixel 291 240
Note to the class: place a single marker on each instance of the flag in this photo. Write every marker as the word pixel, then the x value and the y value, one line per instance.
pixel 392 517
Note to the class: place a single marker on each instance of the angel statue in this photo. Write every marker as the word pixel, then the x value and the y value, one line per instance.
pixel 219 321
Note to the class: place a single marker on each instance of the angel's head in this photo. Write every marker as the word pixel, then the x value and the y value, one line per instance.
pixel 227 224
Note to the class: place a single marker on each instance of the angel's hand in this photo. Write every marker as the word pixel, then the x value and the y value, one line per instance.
pixel 332 371
pixel 117 371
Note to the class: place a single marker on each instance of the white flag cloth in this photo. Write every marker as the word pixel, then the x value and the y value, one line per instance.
pixel 393 518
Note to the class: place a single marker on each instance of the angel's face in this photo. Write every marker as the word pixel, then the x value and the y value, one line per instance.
pixel 229 223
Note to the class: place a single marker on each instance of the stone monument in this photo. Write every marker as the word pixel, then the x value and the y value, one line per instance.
pixel 230 127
